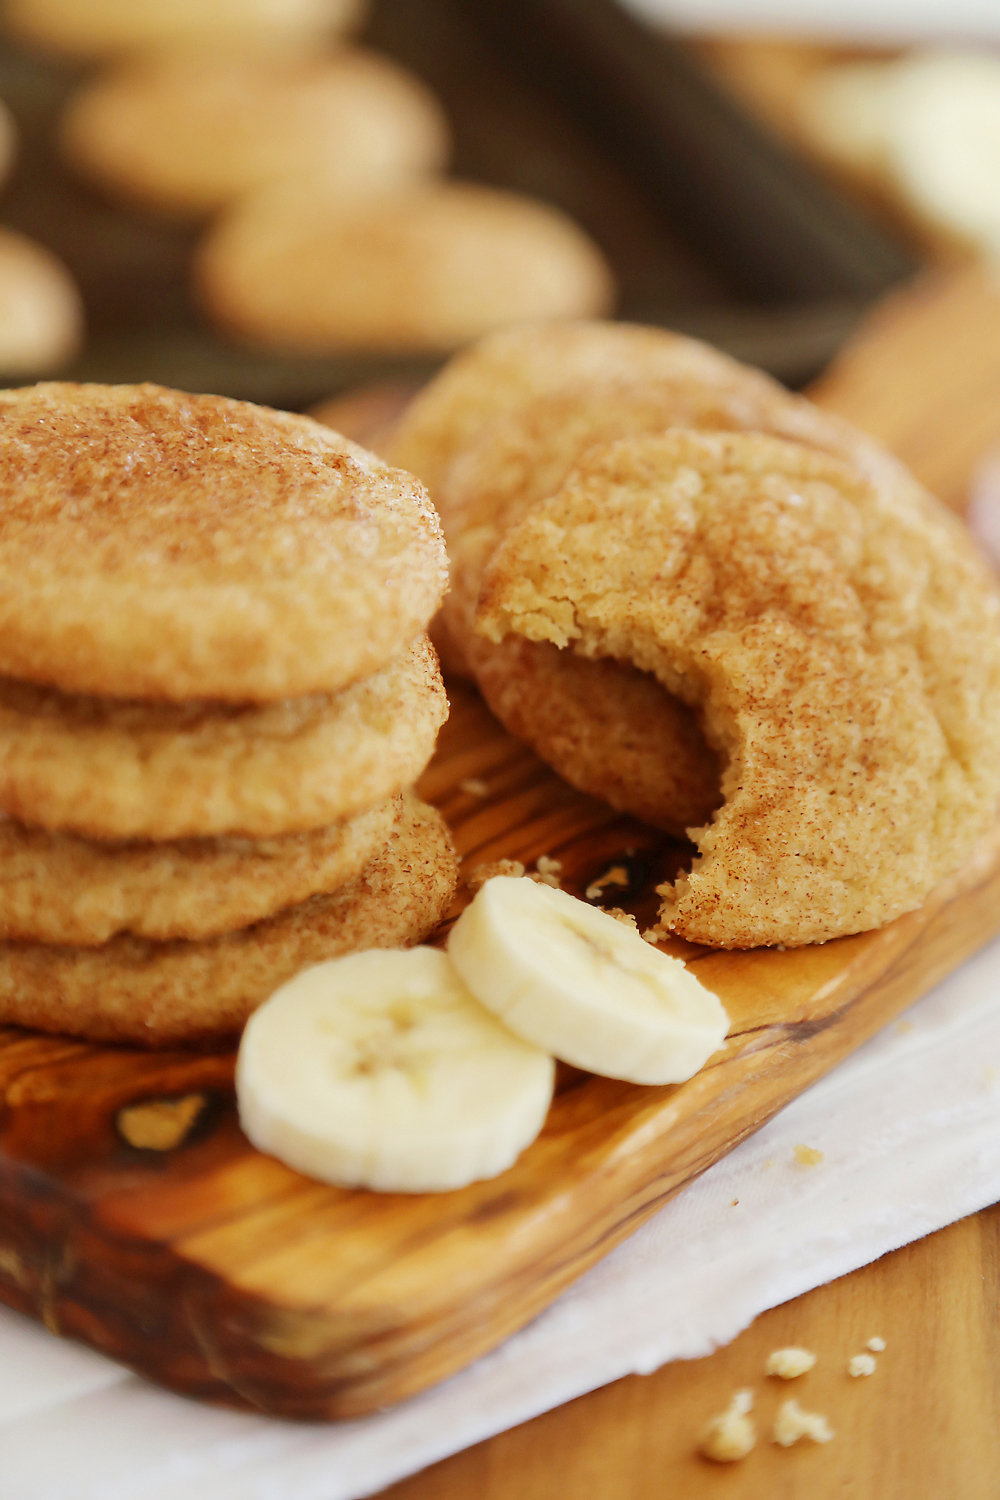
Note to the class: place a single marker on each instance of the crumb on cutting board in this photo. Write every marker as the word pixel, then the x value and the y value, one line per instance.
pixel 474 786
pixel 731 1434
pixel 792 1423
pixel 861 1364
pixel 547 871
pixel 479 874
pixel 160 1124
pixel 617 875
pixel 876 1345
pixel 789 1363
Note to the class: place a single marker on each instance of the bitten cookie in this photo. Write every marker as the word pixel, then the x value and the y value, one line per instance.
pixel 57 888
pixel 840 644
pixel 112 769
pixel 162 994
pixel 187 133
pixel 161 545
pixel 423 271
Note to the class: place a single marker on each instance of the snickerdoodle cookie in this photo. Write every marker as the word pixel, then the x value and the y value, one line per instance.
pixel 117 769
pixel 495 434
pixel 160 994
pixel 41 311
pixel 507 370
pixel 840 643
pixel 420 270
pixel 188 132
pixel 100 27
pixel 57 888
pixel 161 545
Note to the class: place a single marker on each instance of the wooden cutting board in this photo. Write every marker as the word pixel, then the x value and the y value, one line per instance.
pixel 225 1275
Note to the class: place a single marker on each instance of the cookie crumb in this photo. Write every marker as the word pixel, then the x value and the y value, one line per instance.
pixel 652 935
pixel 547 871
pixel 161 1124
pixel 793 1423
pixel 617 875
pixel 808 1156
pixel 861 1364
pixel 731 1434
pixel 876 1345
pixel 474 786
pixel 625 917
pixel 789 1363
pixel 479 874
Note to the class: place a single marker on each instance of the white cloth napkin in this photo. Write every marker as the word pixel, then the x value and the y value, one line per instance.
pixel 909 1128
pixel 859 21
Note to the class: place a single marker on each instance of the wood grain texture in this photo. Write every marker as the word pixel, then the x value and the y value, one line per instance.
pixel 923 1427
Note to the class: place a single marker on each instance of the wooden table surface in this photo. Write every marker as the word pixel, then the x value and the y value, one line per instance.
pixel 923 375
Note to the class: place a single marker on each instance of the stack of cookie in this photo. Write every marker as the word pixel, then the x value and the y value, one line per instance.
pixel 216 695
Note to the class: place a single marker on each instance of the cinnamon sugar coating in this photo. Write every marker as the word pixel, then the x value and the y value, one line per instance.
pixel 839 640
pixel 160 545
pixel 162 994
pixel 117 769
pixel 57 888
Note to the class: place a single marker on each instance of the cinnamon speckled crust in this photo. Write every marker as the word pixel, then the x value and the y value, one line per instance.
pixel 161 994
pixel 508 370
pixel 419 271
pixel 160 545
pixel 841 645
pixel 188 132
pixel 115 769
pixel 56 888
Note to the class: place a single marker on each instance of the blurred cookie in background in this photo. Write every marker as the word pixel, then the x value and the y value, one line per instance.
pixel 98 28
pixel 299 270
pixel 41 314
pixel 925 130
pixel 187 132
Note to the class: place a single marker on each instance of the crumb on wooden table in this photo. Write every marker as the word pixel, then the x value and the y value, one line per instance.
pixel 479 874
pixel 861 1364
pixel 731 1434
pixel 159 1124
pixel 876 1345
pixel 807 1156
pixel 790 1362
pixel 792 1423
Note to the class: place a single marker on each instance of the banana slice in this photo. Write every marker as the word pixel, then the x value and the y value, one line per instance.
pixel 380 1070
pixel 584 986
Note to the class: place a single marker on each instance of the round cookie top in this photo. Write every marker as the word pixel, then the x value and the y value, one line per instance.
pixel 187 132
pixel 161 545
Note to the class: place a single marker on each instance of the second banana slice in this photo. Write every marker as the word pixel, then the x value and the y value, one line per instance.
pixel 583 986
